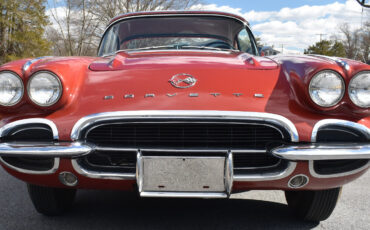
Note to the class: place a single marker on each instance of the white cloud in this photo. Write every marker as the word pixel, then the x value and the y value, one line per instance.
pixel 297 28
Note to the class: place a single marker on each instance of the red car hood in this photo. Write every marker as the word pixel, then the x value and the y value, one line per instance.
pixel 173 59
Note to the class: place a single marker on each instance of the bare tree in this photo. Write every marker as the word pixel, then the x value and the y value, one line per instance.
pixel 73 31
pixel 77 24
pixel 351 41
pixel 365 43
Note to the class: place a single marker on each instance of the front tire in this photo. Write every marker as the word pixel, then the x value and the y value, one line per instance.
pixel 313 205
pixel 51 201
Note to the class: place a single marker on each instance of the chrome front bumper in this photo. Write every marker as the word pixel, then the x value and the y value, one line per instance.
pixel 305 152
pixel 291 153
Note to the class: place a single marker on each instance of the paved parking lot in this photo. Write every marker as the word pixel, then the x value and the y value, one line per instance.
pixel 117 210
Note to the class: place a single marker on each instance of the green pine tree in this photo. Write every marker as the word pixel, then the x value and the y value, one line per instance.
pixel 328 48
pixel 22 24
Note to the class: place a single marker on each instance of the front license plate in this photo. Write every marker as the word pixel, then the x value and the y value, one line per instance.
pixel 183 174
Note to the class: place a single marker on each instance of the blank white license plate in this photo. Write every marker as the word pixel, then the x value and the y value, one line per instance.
pixel 183 174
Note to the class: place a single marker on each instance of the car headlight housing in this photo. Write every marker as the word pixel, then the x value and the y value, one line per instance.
pixel 359 89
pixel 44 88
pixel 11 89
pixel 327 88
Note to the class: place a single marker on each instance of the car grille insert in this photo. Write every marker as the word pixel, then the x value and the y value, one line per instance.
pixel 184 135
pixel 118 143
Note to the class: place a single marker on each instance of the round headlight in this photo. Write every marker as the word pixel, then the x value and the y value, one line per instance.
pixel 359 90
pixel 11 89
pixel 44 88
pixel 327 88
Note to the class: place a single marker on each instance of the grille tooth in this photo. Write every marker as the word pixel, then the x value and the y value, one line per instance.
pixel 185 135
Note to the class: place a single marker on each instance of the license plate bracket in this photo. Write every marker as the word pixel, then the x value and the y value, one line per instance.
pixel 184 176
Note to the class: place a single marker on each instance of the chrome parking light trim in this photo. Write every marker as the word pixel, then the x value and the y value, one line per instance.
pixel 326 122
pixel 33 172
pixel 323 152
pixel 62 149
pixel 269 176
pixel 315 174
pixel 184 114
pixel 101 175
pixel 6 129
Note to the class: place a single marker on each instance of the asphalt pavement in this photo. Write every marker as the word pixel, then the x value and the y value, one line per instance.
pixel 117 210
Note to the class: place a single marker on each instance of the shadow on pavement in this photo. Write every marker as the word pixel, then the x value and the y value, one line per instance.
pixel 117 210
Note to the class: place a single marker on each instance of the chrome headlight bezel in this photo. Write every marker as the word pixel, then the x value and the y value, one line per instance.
pixel 343 89
pixel 21 86
pixel 54 76
pixel 353 100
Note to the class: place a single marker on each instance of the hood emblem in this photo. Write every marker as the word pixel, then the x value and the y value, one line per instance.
pixel 183 81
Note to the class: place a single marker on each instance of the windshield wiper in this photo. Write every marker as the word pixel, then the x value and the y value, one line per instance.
pixel 177 47
pixel 153 48
pixel 206 48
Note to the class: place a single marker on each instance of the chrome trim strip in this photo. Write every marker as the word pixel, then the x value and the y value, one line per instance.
pixel 326 122
pixel 101 175
pixel 323 152
pixel 314 174
pixel 51 171
pixel 184 194
pixel 339 62
pixel 28 64
pixel 62 149
pixel 186 114
pixel 268 176
pixel 6 129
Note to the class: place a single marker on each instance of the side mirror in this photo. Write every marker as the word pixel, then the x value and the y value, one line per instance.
pixel 364 3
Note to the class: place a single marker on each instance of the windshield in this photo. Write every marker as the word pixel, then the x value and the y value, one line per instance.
pixel 179 32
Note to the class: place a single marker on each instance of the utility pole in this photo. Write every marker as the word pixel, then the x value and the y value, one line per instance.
pixel 321 36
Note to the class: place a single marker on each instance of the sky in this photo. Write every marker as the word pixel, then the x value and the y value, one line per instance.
pixel 293 25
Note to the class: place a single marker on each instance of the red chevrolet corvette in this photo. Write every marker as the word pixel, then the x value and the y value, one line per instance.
pixel 180 104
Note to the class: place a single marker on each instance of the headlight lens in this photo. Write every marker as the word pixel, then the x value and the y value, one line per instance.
pixel 44 88
pixel 11 89
pixel 359 90
pixel 327 88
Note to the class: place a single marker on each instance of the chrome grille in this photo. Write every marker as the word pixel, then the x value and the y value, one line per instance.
pixel 185 135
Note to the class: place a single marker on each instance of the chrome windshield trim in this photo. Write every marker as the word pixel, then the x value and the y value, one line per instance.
pixel 323 152
pixel 268 176
pixel 33 172
pixel 168 14
pixel 6 129
pixel 326 122
pixel 245 23
pixel 184 114
pixel 62 149
pixel 101 175
pixel 28 64
pixel 315 174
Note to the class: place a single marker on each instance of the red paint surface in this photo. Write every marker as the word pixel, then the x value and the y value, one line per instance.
pixel 283 80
